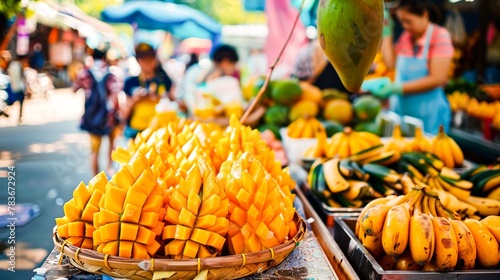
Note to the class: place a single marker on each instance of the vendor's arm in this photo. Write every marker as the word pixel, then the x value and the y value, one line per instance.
pixel 438 75
pixel 388 52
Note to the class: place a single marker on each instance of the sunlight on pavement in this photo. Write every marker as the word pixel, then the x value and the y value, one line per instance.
pixel 64 105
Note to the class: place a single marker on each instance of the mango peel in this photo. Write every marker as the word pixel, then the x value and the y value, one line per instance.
pixel 350 33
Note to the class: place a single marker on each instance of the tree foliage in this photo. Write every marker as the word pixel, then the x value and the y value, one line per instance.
pixel 225 11
pixel 10 7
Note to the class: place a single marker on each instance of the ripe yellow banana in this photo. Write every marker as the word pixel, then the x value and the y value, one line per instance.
pixel 387 262
pixel 465 244
pixel 437 148
pixel 421 237
pixel 406 262
pixel 335 143
pixel 487 245
pixel 372 221
pixel 447 153
pixel 334 179
pixel 343 151
pixel 293 129
pixel 458 155
pixel 493 225
pixel 446 250
pixel 495 193
pixel 396 230
pixel 431 266
pixel 307 131
pixel 354 146
pixel 374 245
pixel 456 191
pixel 485 206
pixel 372 138
pixel 372 203
pixel 492 184
pixel 321 144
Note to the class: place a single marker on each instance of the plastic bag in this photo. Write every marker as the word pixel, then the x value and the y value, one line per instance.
pixel 455 25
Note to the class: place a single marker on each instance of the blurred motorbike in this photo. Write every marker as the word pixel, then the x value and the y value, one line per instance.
pixel 38 84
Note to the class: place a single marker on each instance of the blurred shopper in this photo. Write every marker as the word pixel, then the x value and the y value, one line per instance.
pixel 257 63
pixel 313 66
pixel 100 116
pixel 424 53
pixel 210 91
pixel 37 60
pixel 17 82
pixel 144 91
pixel 193 60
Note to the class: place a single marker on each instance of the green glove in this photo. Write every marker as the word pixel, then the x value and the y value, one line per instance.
pixel 388 90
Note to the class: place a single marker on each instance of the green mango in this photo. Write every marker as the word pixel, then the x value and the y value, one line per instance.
pixel 350 33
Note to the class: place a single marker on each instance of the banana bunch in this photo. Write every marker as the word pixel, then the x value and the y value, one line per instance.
pixel 377 154
pixel 317 150
pixel 447 149
pixel 345 183
pixel 349 142
pixel 341 183
pixel 397 142
pixel 456 193
pixel 415 232
pixel 304 128
pixel 419 143
pixel 486 181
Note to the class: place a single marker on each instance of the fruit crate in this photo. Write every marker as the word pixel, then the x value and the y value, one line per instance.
pixel 325 212
pixel 368 268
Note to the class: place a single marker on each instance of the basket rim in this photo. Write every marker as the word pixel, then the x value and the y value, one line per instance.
pixel 95 258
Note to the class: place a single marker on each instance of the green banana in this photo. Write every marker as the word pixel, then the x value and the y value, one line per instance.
pixel 360 173
pixel 467 175
pixel 382 172
pixel 367 153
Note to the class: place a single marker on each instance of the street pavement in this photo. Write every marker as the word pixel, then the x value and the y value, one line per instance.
pixel 51 156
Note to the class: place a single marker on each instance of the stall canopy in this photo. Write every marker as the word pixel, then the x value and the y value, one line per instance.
pixel 52 14
pixel 179 20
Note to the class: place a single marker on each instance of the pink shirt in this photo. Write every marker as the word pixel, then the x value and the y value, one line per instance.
pixel 440 46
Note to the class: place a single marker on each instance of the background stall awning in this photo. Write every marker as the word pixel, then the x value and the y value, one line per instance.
pixel 65 17
pixel 179 20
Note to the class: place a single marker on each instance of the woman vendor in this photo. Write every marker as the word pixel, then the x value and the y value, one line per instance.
pixel 423 55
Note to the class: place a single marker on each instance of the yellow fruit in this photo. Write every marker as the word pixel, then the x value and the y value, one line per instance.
pixel 397 142
pixel 487 245
pixel 465 244
pixel 311 92
pixel 419 142
pixel 347 143
pixel 447 149
pixel 303 109
pixel 338 110
pixel 260 214
pixel 77 224
pixel 446 250
pixel 202 206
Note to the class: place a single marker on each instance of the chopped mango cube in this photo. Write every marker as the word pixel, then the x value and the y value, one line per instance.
pixel 128 231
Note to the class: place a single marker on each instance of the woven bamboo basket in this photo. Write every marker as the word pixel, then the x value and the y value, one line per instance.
pixel 224 267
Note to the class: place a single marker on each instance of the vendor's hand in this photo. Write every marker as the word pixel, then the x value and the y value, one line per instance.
pixel 374 85
pixel 388 90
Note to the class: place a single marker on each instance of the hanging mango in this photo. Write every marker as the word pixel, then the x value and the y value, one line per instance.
pixel 350 32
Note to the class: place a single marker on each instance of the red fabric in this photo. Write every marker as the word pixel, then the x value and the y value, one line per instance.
pixel 280 15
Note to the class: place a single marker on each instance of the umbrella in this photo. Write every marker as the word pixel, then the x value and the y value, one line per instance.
pixel 180 20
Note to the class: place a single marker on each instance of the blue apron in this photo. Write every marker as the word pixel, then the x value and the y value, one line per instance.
pixel 431 106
